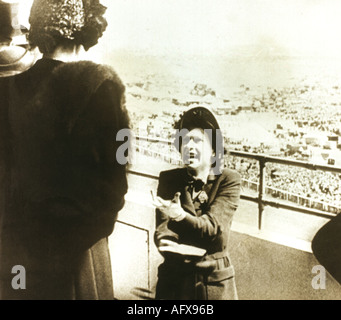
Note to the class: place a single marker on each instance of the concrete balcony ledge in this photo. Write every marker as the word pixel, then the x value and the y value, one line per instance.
pixel 274 263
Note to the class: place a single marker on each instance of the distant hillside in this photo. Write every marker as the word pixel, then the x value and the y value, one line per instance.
pixel 251 66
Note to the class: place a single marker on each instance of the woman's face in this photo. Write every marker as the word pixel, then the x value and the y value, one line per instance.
pixel 196 149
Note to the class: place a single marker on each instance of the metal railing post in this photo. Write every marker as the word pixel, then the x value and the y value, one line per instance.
pixel 318 206
pixel 261 191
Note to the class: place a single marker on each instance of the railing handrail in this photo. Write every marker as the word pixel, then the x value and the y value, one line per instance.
pixel 285 161
pixel 154 139
pixel 263 159
pixel 275 204
pixel 260 157
pixel 293 194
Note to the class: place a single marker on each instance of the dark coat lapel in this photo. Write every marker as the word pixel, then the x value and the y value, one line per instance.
pixel 186 197
pixel 208 188
pixel 186 201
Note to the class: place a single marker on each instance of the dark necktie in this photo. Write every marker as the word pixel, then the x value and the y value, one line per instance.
pixel 195 185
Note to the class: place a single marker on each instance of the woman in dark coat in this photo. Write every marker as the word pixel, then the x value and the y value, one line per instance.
pixel 61 182
pixel 195 207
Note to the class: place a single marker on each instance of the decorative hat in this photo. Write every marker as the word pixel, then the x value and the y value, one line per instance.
pixel 65 17
pixel 78 20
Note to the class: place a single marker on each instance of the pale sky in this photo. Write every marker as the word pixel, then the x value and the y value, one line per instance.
pixel 307 27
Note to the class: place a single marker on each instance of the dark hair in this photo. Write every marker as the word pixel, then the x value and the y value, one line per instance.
pixel 52 26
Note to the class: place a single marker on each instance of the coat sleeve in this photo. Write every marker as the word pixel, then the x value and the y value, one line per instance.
pixel 206 228
pixel 162 230
pixel 91 185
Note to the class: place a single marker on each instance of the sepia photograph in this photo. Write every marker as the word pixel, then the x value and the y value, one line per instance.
pixel 170 150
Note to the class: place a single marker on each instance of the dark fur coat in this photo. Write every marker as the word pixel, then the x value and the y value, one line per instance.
pixel 61 185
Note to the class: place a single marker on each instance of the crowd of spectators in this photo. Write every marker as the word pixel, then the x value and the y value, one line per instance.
pixel 285 181
pixel 311 108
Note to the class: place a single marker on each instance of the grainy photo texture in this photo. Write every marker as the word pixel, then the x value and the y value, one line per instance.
pixel 170 150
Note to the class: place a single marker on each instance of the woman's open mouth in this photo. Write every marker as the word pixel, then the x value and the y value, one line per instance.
pixel 192 155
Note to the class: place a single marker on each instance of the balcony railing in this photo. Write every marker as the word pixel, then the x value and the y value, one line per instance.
pixel 261 185
pixel 262 160
pixel 333 207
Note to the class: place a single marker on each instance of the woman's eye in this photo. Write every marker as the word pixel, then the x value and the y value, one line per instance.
pixel 197 140
pixel 185 140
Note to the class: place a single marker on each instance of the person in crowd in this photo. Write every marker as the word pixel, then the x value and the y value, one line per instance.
pixel 61 184
pixel 195 205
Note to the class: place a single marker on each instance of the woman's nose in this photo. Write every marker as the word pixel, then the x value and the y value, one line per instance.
pixel 191 144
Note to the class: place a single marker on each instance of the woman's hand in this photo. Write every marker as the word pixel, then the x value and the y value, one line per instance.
pixel 171 208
